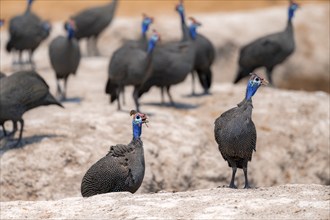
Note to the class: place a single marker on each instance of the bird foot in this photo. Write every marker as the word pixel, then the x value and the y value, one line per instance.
pixel 247 187
pixel 233 186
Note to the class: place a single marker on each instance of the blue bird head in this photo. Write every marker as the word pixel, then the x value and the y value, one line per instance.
pixel 29 2
pixel 254 83
pixel 70 27
pixel 153 40
pixel 146 22
pixel 2 22
pixel 292 8
pixel 180 8
pixel 138 120
pixel 193 28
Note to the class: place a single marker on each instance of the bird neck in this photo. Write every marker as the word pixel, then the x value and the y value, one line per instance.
pixel 193 32
pixel 251 90
pixel 145 29
pixel 28 8
pixel 151 46
pixel 137 130
pixel 70 33
pixel 290 14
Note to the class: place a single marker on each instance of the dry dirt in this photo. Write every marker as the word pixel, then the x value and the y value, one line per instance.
pixel 59 145
pixel 281 202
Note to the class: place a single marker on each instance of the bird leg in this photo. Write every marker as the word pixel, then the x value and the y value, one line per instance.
pixel 193 83
pixel 96 50
pixel 234 168
pixel 4 130
pixel 65 87
pixel 59 90
pixel 247 186
pixel 14 129
pixel 123 95
pixel 162 95
pixel 169 95
pixel 20 133
pixel 31 60
pixel 269 75
pixel 117 97
pixel 136 98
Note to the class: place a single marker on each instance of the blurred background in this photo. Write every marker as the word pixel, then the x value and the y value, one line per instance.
pixel 60 10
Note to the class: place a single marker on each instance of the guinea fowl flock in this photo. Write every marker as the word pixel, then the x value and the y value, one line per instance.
pixel 143 63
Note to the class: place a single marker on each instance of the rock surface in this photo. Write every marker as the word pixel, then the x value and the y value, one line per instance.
pixel 281 202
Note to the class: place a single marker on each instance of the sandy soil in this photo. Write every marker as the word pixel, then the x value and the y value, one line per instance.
pixel 59 145
pixel 282 202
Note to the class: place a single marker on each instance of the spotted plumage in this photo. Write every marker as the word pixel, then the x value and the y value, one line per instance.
pixel 122 169
pixel 236 134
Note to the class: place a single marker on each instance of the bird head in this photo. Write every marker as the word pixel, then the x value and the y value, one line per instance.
pixel 155 37
pixel 138 120
pixel 193 27
pixel 29 2
pixel 254 83
pixel 179 7
pixel 293 6
pixel 70 27
pixel 146 22
pixel 2 22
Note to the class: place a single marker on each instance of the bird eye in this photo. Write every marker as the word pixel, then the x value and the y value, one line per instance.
pixel 257 79
pixel 138 117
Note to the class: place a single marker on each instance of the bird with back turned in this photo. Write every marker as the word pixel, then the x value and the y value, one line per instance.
pixel 92 22
pixel 235 132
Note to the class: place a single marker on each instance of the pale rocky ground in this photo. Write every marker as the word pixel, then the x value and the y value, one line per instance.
pixel 59 145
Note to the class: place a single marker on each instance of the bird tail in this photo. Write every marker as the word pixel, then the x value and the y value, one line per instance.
pixel 241 74
pixel 50 100
pixel 111 89
pixel 205 79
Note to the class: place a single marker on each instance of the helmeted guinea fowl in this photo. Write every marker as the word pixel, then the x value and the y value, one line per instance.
pixel 27 31
pixel 205 55
pixel 91 22
pixel 172 62
pixel 130 65
pixel 235 132
pixel 268 51
pixel 141 43
pixel 122 169
pixel 21 92
pixel 64 54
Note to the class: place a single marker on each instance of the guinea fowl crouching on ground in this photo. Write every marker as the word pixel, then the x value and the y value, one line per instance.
pixel 235 132
pixel 122 169
pixel 268 51
pixel 130 65
pixel 91 22
pixel 64 54
pixel 19 93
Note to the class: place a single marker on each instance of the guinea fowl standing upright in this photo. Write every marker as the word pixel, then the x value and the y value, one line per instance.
pixel 236 134
pixel 64 54
pixel 91 22
pixel 122 169
pixel 268 51
pixel 27 31
pixel 21 92
pixel 172 62
pixel 205 54
pixel 130 65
